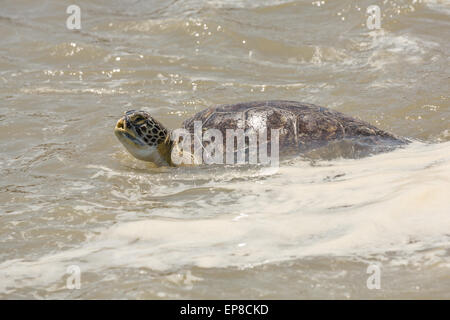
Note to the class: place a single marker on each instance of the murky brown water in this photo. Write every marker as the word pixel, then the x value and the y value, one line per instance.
pixel 71 195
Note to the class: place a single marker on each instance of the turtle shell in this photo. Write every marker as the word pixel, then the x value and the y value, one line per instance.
pixel 302 127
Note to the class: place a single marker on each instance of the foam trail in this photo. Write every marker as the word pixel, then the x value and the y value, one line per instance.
pixel 396 201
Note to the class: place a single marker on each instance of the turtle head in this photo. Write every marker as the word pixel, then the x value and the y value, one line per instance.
pixel 144 137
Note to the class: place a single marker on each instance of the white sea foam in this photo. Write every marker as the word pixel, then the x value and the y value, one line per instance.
pixel 396 201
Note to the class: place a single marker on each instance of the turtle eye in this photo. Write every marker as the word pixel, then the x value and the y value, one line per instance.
pixel 139 119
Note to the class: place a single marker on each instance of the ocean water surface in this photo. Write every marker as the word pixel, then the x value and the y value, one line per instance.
pixel 72 196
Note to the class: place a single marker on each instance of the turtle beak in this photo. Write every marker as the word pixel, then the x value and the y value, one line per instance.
pixel 121 124
pixel 122 127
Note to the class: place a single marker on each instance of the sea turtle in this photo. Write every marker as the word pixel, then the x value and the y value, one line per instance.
pixel 303 129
